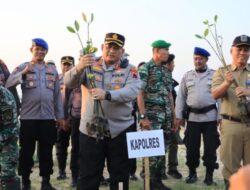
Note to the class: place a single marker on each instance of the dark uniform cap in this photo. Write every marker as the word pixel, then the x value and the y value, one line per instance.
pixel 242 40
pixel 118 39
pixel 201 51
pixel 40 42
pixel 160 44
pixel 68 59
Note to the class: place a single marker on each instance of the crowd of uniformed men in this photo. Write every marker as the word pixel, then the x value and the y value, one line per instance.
pixel 94 103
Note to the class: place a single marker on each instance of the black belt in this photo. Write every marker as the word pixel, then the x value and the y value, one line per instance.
pixel 230 118
pixel 202 110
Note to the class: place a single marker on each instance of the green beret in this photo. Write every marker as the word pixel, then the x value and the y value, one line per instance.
pixel 160 44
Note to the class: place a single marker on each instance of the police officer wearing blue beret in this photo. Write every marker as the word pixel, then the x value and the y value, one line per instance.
pixel 194 98
pixel 41 107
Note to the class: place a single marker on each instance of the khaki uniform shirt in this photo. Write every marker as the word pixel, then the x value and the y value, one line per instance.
pixel 229 105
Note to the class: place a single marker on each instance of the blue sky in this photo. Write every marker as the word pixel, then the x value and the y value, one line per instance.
pixel 140 21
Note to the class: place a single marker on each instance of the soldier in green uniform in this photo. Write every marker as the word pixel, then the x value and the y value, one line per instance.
pixel 9 132
pixel 155 103
pixel 235 130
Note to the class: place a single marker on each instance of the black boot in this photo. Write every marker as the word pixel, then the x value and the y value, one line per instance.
pixel 46 184
pixel 156 184
pixel 192 177
pixel 209 177
pixel 26 182
pixel 62 175
pixel 226 182
pixel 11 184
pixel 74 181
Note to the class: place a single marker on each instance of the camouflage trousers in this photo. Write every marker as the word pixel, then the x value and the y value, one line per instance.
pixel 9 154
pixel 159 120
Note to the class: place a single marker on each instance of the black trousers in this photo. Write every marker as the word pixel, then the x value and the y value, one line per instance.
pixel 74 161
pixel 43 131
pixel 211 142
pixel 92 159
pixel 132 161
pixel 62 144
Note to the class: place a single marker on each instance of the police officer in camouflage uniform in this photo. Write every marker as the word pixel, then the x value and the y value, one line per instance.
pixel 194 97
pixel 41 107
pixel 9 132
pixel 155 103
pixel 117 85
pixel 235 130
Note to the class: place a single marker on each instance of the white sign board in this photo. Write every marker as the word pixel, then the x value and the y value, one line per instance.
pixel 145 143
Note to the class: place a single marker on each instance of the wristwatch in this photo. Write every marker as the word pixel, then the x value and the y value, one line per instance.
pixel 142 116
pixel 107 95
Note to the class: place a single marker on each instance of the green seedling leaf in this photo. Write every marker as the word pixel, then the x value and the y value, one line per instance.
pixel 77 26
pixel 206 32
pixel 84 17
pixel 205 22
pixel 70 29
pixel 215 18
pixel 92 17
pixel 198 36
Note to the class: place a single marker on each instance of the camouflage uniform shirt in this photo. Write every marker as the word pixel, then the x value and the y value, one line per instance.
pixel 9 132
pixel 157 87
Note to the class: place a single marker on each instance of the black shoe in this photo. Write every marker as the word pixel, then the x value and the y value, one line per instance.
pixel 47 186
pixel 191 178
pixel 74 182
pixel 164 176
pixel 133 177
pixel 158 185
pixel 26 187
pixel 104 182
pixel 209 180
pixel 175 174
pixel 26 183
pixel 62 175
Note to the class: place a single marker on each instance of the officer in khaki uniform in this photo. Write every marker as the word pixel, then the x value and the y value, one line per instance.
pixel 235 130
pixel 41 107
pixel 116 86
